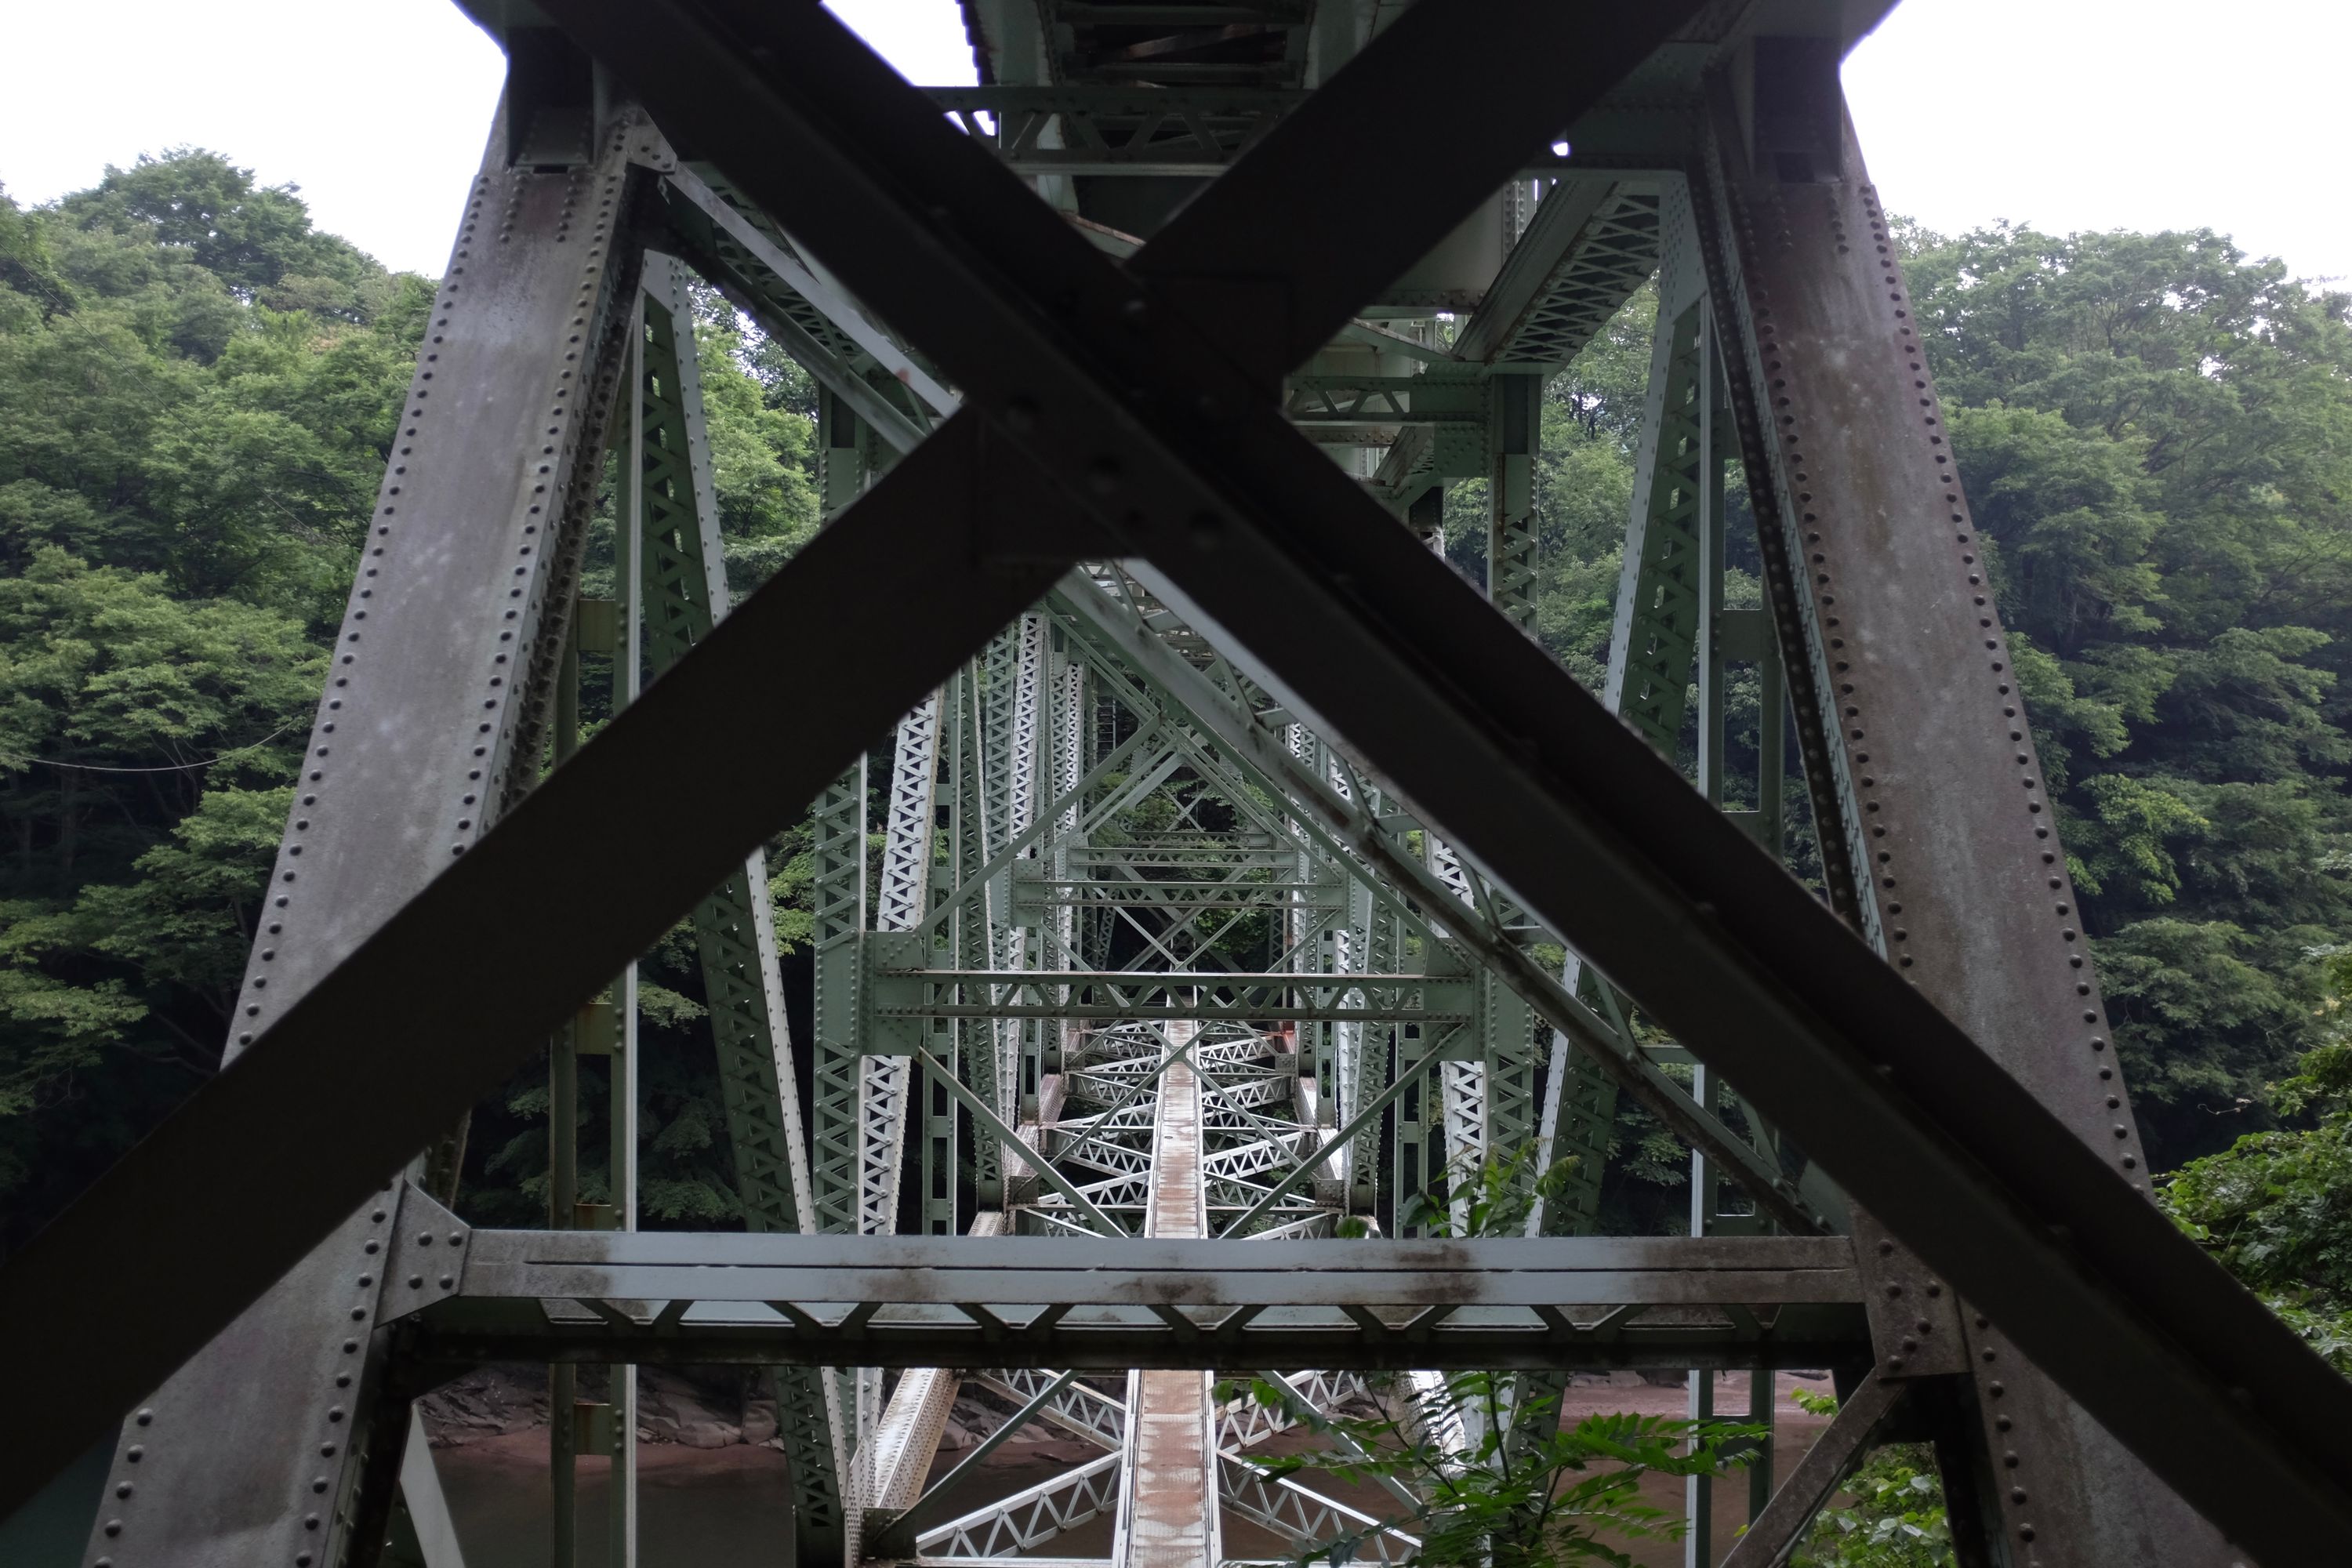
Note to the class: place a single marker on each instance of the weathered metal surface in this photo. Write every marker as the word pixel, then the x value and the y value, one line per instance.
pixel 1836 1453
pixel 1168 1509
pixel 431 720
pixel 662 1266
pixel 1793 988
pixel 1963 880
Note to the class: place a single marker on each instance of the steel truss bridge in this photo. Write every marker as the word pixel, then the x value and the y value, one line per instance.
pixel 1229 839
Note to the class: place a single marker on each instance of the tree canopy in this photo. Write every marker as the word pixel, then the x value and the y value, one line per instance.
pixel 197 396
pixel 197 392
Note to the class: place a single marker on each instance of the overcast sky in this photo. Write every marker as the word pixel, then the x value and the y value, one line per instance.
pixel 2068 114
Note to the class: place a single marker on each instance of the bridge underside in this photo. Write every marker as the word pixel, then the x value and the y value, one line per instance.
pixel 1232 933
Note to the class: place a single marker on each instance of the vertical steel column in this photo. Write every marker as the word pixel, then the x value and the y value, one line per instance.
pixel 992 1062
pixel 564 1177
pixel 628 675
pixel 1698 1491
pixel 1384 947
pixel 899 904
pixel 883 1082
pixel 839 891
pixel 1918 744
pixel 1515 436
pixel 1651 646
pixel 1069 741
pixel 1031 784
pixel 434 717
pixel 975 1038
pixel 683 593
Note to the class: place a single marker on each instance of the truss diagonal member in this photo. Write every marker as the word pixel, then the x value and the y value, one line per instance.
pixel 904 557
pixel 685 594
pixel 1121 640
pixel 1018 1146
pixel 443 685
pixel 1247 1422
pixel 1306 1519
pixel 1592 243
pixel 1316 1158
pixel 724 252
pixel 1836 1454
pixel 933 1502
pixel 836 311
pixel 1080 1409
pixel 1480 729
pixel 1113 761
pixel 1029 1518
pixel 1347 1445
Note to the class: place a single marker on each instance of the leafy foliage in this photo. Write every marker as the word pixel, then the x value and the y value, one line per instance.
pixel 197 390
pixel 1498 1481
pixel 1890 1513
pixel 2271 1208
pixel 197 396
pixel 1556 1497
pixel 2156 436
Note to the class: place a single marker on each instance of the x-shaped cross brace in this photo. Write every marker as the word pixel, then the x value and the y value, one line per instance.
pixel 1131 411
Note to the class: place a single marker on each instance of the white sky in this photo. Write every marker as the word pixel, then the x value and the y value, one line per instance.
pixel 2068 114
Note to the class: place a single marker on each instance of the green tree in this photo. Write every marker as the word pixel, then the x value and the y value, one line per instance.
pixel 1890 1513
pixel 2271 1208
pixel 1497 1479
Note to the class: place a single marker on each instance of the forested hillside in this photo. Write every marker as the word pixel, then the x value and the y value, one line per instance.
pixel 196 388
pixel 2157 437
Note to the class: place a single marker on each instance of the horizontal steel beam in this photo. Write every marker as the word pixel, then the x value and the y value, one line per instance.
pixel 1549 1272
pixel 1115 996
pixel 1079 1303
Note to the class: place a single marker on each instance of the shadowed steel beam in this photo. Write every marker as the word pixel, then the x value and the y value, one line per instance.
pixel 788 272
pixel 539 1266
pixel 1363 632
pixel 739 273
pixel 1834 1456
pixel 913 554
